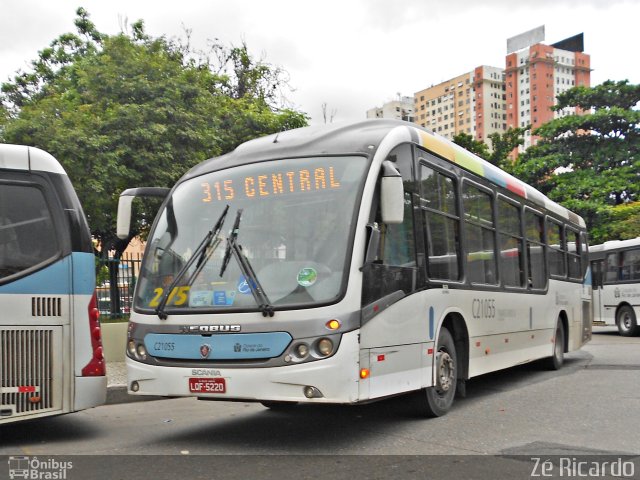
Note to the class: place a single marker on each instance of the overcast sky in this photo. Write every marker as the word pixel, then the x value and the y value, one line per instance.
pixel 350 54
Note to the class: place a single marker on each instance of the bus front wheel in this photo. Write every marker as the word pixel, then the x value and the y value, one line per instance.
pixel 555 361
pixel 437 400
pixel 626 321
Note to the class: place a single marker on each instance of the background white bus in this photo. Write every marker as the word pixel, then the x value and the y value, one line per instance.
pixel 616 285
pixel 50 344
pixel 350 263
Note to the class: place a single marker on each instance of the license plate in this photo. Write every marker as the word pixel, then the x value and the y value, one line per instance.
pixel 207 385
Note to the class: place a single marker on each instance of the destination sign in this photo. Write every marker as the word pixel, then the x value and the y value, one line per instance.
pixel 271 184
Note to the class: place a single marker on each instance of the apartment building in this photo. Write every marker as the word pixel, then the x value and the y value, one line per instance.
pixel 536 74
pixel 400 109
pixel 472 103
pixel 490 100
pixel 447 108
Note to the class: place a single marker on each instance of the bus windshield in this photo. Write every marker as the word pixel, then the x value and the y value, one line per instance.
pixel 294 219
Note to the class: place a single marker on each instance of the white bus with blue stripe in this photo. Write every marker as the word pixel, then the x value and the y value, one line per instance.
pixel 349 263
pixel 616 285
pixel 50 343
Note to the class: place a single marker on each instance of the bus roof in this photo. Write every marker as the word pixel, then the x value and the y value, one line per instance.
pixel 614 245
pixel 21 157
pixel 364 138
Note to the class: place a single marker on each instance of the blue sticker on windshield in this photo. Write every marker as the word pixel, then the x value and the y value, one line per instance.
pixel 223 297
pixel 243 286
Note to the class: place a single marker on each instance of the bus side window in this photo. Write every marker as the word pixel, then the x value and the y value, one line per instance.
pixel 631 265
pixel 556 248
pixel 536 261
pixel 438 198
pixel 574 257
pixel 480 235
pixel 613 267
pixel 511 249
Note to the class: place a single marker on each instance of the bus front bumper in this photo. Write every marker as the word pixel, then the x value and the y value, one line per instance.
pixel 332 380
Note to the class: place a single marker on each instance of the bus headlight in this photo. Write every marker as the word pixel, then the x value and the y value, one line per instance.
pixel 325 347
pixel 131 348
pixel 142 351
pixel 302 350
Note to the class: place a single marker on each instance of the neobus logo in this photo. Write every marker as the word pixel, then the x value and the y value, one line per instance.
pixel 210 328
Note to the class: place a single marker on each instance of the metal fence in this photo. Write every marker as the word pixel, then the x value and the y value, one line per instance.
pixel 116 281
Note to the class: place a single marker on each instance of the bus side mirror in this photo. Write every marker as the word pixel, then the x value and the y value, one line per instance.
pixel 123 224
pixel 391 194
pixel 124 216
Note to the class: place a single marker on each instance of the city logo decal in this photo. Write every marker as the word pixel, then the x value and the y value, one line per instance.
pixel 205 350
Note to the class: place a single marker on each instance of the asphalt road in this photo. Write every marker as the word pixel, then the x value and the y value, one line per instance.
pixel 590 407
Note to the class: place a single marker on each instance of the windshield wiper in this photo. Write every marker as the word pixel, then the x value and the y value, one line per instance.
pixel 202 255
pixel 245 267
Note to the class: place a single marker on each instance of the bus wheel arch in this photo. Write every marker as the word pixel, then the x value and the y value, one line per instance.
pixel 451 367
pixel 626 320
pixel 454 322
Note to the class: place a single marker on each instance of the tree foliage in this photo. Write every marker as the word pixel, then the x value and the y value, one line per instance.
pixel 130 110
pixel 589 161
pixel 502 145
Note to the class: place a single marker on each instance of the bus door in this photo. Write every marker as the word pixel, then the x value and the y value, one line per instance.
pixel 596 272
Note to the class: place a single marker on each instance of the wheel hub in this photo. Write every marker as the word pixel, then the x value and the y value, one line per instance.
pixel 445 371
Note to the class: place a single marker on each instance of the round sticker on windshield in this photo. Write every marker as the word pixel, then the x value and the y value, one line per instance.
pixel 307 277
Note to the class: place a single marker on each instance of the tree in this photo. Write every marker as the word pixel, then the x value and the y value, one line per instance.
pixel 503 144
pixel 589 161
pixel 130 110
pixel 620 222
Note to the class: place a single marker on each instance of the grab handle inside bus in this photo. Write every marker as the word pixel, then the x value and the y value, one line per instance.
pixel 124 206
pixel 391 194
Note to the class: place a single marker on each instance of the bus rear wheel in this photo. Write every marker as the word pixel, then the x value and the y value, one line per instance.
pixel 437 400
pixel 626 322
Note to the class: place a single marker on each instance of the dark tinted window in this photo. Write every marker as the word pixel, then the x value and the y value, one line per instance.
pixel 480 235
pixel 511 249
pixel 630 265
pixel 555 241
pixel 438 202
pixel 574 251
pixel 536 262
pixel 27 235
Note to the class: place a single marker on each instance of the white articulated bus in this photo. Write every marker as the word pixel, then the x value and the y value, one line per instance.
pixel 349 263
pixel 50 343
pixel 616 285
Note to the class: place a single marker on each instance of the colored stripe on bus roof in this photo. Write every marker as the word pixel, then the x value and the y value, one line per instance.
pixel 471 162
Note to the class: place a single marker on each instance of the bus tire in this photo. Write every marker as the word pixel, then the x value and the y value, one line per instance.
pixel 437 400
pixel 279 406
pixel 626 321
pixel 555 361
